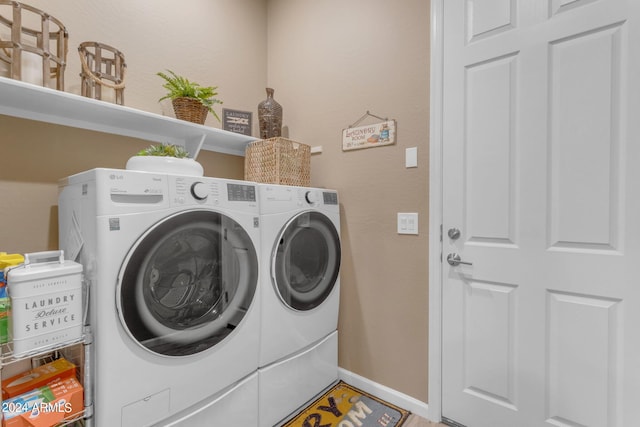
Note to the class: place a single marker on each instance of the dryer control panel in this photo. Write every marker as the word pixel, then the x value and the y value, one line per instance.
pixel 316 197
pixel 330 197
pixel 275 199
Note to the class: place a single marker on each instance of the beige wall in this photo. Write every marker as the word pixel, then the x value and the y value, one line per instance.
pixel 329 62
pixel 223 43
pixel 36 155
pixel 213 42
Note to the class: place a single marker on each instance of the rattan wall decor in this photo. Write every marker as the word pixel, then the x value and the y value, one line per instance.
pixel 103 66
pixel 33 44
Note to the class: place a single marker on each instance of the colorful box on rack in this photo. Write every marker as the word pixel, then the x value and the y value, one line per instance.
pixel 5 309
pixel 45 406
pixel 46 302
pixel 6 261
pixel 37 377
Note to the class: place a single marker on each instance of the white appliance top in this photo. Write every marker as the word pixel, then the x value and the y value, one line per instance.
pixel 125 191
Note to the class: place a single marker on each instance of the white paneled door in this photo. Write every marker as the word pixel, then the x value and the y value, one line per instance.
pixel 541 213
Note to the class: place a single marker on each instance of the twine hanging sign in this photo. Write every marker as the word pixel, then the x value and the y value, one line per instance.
pixel 369 136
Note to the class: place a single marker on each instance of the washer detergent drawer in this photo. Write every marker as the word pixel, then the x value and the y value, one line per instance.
pixel 146 411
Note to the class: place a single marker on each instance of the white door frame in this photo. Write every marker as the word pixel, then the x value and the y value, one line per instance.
pixel 435 212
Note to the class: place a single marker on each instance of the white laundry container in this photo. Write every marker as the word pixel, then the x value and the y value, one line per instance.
pixel 46 302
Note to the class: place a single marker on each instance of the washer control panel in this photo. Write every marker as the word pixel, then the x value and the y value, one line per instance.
pixel 185 190
pixel 193 190
pixel 199 190
pixel 241 192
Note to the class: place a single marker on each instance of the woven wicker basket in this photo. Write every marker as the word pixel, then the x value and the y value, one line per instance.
pixel 278 161
pixel 36 51
pixel 190 109
pixel 103 67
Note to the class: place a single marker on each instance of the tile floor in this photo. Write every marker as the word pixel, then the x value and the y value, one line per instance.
pixel 416 421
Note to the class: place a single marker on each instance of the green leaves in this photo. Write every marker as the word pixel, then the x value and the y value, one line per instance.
pixel 164 150
pixel 178 87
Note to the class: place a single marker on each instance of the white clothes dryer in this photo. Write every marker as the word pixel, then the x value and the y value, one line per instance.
pixel 301 258
pixel 173 269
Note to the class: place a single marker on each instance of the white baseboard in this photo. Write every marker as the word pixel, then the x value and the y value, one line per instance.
pixel 385 393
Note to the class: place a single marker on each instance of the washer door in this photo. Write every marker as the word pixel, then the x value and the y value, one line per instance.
pixel 306 260
pixel 187 283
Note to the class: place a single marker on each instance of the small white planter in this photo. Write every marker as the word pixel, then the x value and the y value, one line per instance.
pixel 171 165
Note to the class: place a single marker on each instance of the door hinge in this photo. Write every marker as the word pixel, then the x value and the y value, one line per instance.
pixel 440 243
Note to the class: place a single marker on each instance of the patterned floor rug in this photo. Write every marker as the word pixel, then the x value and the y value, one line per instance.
pixel 347 406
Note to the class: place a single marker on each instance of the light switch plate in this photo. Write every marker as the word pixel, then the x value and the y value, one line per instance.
pixel 411 157
pixel 408 223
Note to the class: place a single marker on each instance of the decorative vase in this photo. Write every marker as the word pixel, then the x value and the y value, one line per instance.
pixel 190 109
pixel 165 164
pixel 270 117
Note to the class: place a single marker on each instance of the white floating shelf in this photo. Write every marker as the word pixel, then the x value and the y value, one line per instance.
pixel 28 101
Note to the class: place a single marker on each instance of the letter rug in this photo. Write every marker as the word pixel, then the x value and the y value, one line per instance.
pixel 347 406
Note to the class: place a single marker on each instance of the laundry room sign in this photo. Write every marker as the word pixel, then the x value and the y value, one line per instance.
pixel 368 136
pixel 237 121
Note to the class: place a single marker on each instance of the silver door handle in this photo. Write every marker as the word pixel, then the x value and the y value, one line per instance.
pixel 454 260
pixel 453 233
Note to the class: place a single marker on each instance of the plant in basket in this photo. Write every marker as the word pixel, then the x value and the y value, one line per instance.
pixel 191 102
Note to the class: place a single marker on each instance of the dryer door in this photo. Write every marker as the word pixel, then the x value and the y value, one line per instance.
pixel 306 260
pixel 187 283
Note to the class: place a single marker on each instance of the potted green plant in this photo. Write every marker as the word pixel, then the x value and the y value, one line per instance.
pixel 166 158
pixel 190 101
pixel 164 150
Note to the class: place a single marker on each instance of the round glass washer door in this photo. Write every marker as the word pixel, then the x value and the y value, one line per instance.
pixel 306 260
pixel 187 283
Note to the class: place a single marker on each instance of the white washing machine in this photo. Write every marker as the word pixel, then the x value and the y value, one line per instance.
pixel 173 269
pixel 301 256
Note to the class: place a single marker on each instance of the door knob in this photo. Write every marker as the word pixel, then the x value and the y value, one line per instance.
pixel 455 260
pixel 453 233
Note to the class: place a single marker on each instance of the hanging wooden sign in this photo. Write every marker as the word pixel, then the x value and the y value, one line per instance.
pixel 369 136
